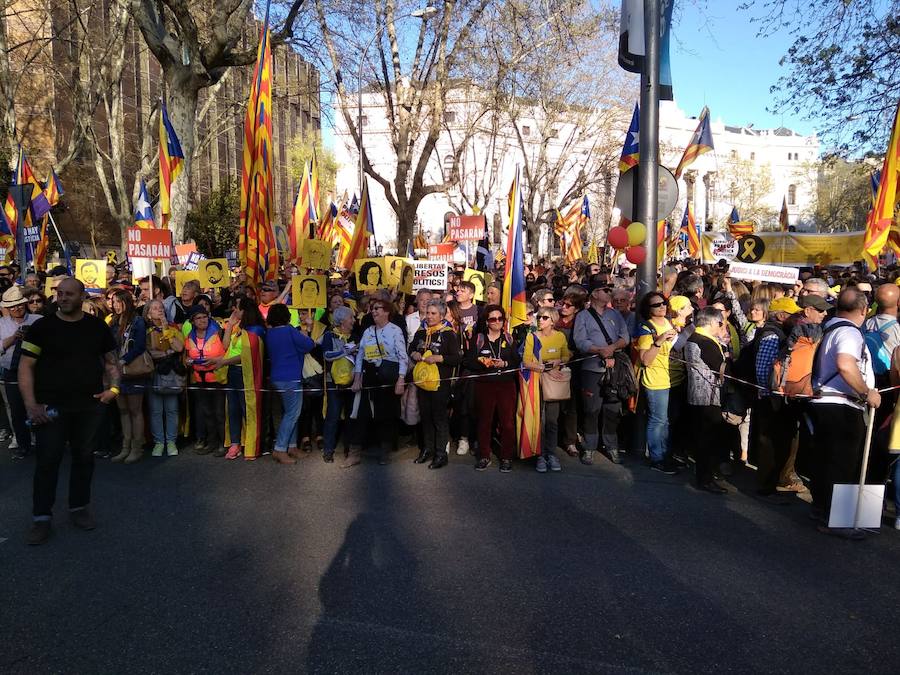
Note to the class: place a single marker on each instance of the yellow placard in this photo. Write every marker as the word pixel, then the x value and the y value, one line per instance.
pixel 478 280
pixel 315 254
pixel 50 284
pixel 784 248
pixel 407 275
pixel 369 274
pixel 309 292
pixel 184 276
pixel 92 273
pixel 393 268
pixel 214 273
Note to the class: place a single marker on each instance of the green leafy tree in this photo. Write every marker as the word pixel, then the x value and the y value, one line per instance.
pixel 300 151
pixel 213 223
pixel 843 195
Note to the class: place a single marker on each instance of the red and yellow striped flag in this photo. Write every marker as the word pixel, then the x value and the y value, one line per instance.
pixel 256 243
pixel 302 216
pixel 363 228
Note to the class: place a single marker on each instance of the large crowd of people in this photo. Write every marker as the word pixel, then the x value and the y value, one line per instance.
pixel 707 374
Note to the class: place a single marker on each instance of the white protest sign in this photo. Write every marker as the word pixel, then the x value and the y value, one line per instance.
pixel 723 246
pixel 770 273
pixel 430 275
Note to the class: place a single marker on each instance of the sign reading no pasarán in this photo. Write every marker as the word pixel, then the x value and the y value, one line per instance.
pixel 147 243
pixel 466 228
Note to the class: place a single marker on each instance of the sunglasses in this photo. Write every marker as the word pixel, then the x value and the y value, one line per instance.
pixel 567 304
pixel 542 317
pixel 657 304
pixel 494 319
pixel 36 301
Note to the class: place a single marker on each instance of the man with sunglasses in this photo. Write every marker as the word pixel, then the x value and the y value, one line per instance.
pixel 599 333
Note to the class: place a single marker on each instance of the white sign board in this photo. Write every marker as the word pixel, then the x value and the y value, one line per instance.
pixel 723 247
pixel 431 275
pixel 769 273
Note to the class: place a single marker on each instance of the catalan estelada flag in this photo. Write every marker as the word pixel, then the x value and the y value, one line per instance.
pixel 143 211
pixel 303 215
pixel 528 408
pixel 7 240
pixel 326 230
pixel 701 142
pixel 661 239
pixel 737 227
pixel 783 215
pixel 631 149
pixel 689 229
pixel 362 230
pixel 574 241
pixel 878 224
pixel 171 162
pixel 513 299
pixel 256 237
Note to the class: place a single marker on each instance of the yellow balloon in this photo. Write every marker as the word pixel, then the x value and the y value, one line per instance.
pixel 637 232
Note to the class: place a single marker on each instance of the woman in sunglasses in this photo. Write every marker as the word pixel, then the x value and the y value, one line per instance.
pixel 655 337
pixel 572 303
pixel 493 358
pixel 547 349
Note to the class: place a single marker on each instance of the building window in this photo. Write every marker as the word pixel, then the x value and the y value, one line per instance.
pixel 526 130
pixel 734 154
pixel 752 156
pixel 792 195
pixel 449 117
pixel 365 120
pixel 449 162
pixel 554 133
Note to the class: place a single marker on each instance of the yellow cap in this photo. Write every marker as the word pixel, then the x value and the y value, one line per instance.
pixel 784 304
pixel 678 302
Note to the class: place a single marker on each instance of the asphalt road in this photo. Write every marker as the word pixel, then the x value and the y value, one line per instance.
pixel 204 565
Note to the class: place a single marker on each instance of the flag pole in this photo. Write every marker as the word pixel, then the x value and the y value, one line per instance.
pixel 56 230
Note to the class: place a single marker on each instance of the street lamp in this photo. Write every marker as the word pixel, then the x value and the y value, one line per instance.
pixel 425 13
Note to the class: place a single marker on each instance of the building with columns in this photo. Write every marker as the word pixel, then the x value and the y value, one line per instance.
pixel 752 169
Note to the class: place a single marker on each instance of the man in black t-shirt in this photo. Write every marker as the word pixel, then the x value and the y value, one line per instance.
pixel 61 376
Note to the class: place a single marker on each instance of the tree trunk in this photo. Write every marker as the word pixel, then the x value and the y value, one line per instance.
pixel 182 94
pixel 7 96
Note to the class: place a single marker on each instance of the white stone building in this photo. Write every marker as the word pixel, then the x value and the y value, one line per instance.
pixel 782 165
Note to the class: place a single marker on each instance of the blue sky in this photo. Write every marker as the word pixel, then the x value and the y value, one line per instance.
pixel 718 60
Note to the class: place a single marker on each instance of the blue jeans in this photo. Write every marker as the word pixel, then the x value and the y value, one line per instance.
pixel 291 394
pixel 340 400
pixel 237 405
pixel 163 407
pixel 657 423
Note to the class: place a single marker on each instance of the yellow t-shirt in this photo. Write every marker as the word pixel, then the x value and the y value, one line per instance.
pixel 235 344
pixel 661 373
pixel 552 348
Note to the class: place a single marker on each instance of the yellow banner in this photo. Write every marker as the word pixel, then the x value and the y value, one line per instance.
pixel 784 248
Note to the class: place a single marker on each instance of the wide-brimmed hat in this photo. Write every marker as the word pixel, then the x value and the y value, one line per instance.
pixel 13 297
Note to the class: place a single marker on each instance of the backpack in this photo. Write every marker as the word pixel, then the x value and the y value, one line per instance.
pixel 881 357
pixel 792 371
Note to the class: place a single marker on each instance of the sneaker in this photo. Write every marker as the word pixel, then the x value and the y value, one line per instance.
pixel 171 449
pixel 201 448
pixel 157 450
pixel 664 467
pixel 39 533
pixel 13 444
pixel 541 465
pixel 328 457
pixel 4 436
pixel 463 447
pixel 82 519
pixel 483 464
pixel 553 461
pixel 587 457
pixel 233 452
pixel 571 450
pixel 506 467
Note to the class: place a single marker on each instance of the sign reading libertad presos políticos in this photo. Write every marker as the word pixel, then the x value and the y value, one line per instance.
pixel 149 243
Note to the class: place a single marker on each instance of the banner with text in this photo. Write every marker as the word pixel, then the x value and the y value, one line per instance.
pixel 431 275
pixel 784 248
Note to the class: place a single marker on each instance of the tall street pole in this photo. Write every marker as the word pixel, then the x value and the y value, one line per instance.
pixel 648 168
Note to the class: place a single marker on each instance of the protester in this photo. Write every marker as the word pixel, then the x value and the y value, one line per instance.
pixel 492 359
pixel 547 351
pixel 845 377
pixel 65 358
pixel 13 327
pixel 599 333
pixel 435 344
pixel 339 353
pixel 204 351
pixel 130 333
pixel 286 347
pixel 165 345
pixel 379 381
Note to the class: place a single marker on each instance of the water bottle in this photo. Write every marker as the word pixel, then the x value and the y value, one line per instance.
pixel 52 413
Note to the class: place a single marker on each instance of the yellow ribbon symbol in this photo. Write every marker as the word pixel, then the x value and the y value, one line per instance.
pixel 748 248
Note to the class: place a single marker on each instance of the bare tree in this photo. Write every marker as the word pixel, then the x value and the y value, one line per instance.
pixel 414 96
pixel 747 185
pixel 196 43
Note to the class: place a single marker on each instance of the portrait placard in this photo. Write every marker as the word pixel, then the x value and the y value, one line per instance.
pixel 214 273
pixel 309 291
pixel 92 273
pixel 369 274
